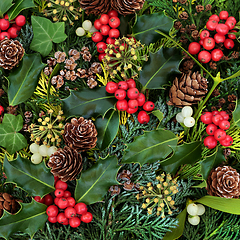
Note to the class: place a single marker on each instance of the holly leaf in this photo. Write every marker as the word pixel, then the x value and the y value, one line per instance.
pixel 18 6
pixel 160 67
pixel 107 128
pixel 4 6
pixel 146 26
pixel 95 182
pixel 23 80
pixel 9 136
pixel 187 153
pixel 236 114
pixel 37 180
pixel 45 33
pixel 88 102
pixel 31 217
pixel 150 147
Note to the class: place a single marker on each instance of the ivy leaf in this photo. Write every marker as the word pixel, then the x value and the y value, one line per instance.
pixel 4 6
pixel 187 153
pixel 160 67
pixel 9 136
pixel 23 80
pixel 88 102
pixel 45 33
pixel 236 114
pixel 37 180
pixel 150 147
pixel 144 29
pixel 31 217
pixel 95 182
pixel 107 128
pixel 157 113
pixel 18 6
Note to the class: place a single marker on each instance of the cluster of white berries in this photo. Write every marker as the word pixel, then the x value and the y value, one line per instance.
pixel 185 117
pixel 86 27
pixel 194 211
pixel 40 151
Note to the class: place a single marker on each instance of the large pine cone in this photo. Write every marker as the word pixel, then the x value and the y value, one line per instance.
pixel 96 7
pixel 66 164
pixel 80 134
pixel 11 52
pixel 187 90
pixel 126 7
pixel 8 203
pixel 224 182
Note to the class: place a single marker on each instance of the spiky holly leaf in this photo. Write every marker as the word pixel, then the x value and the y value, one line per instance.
pixel 4 6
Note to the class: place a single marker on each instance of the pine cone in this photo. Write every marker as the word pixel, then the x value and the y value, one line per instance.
pixel 60 56
pixel 11 53
pixel 8 203
pixel 96 7
pixel 91 82
pixel 57 80
pixel 187 90
pixel 95 68
pixel 224 182
pixel 80 134
pixel 126 7
pixel 66 163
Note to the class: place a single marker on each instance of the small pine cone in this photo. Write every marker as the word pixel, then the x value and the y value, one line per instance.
pixel 48 70
pixel 208 7
pixel 87 56
pixel 184 15
pixel 28 114
pixel 232 98
pixel 213 65
pixel 70 75
pixel 60 56
pixel 91 82
pixel 199 8
pixel 96 7
pixel 183 39
pixel 70 64
pixel 182 30
pixel 235 54
pixel 125 7
pixel 65 163
pixel 182 1
pixel 81 73
pixel 125 175
pixel 95 68
pixel 224 182
pixel 195 34
pixel 192 27
pixel 115 190
pixel 231 107
pixel 177 25
pixel 128 185
pixel 51 62
pixel 80 134
pixel 215 92
pixel 57 80
pixel 12 110
pixel 221 101
pixel 226 152
pixel 11 53
pixel 187 90
pixel 8 203
pixel 26 126
pixel 74 53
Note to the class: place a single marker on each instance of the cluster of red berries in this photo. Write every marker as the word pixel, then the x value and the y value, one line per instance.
pixel 107 25
pixel 11 29
pixel 129 99
pixel 214 120
pixel 215 23
pixel 65 210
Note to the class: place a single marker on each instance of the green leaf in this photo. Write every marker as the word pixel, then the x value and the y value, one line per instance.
pixel 107 128
pixel 18 6
pixel 177 232
pixel 31 217
pixel 4 6
pixel 88 102
pixel 160 67
pixel 187 153
pixel 9 136
pixel 45 33
pixel 236 114
pixel 37 180
pixel 158 114
pixel 23 80
pixel 228 205
pixel 95 182
pixel 150 147
pixel 144 29
pixel 211 162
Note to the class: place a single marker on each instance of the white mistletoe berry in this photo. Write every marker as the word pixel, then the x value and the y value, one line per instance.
pixel 187 111
pixel 192 209
pixel 36 158
pixel 201 209
pixel 179 117
pixel 189 121
pixel 34 148
pixel 195 220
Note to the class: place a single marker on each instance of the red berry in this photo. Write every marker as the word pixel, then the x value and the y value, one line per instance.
pixel 111 87
pixel 81 208
pixel 62 185
pixel 48 199
pixel 215 112
pixel 59 192
pixel 120 94
pixel 223 15
pixel 143 117
pixel 52 211
pixel 208 43
pixel 4 24
pixel 114 22
pixel 4 35
pixel 70 212
pixel 123 85
pixel 132 93
pixel 233 19
pixel 113 13
pixel 141 99
pixel 39 199
pixel 222 28
pixel 219 134
pixel 230 24
pixel 216 119
pixel 215 17
pixel 13 32
pixel 101 56
pixel 219 38
pixel 224 115
pixel 131 110
pixel 229 43
pixel 210 142
pixel 52 219
pixel 194 48
pixel 206 117
pixel 17 27
pixel 228 141
pixel 216 54
pixel 56 200
pixel 71 201
pixel 148 106
pixel 61 218
pixel 131 83
pixel 204 56
pixel 204 34
pixel 97 24
pixel 87 217
pixel 110 40
pixel 211 128
pixel 97 37
pixel 74 222
pixel 101 47
pixel 224 124
pixel 67 194
pixel 62 203
pixel 232 36
pixel 201 42
pixel 211 25
pixel 1 110
pixel 105 30
pixel 114 33
pixel 56 178
pixel 133 103
pixel 104 19
pixel 122 105
pixel 20 20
